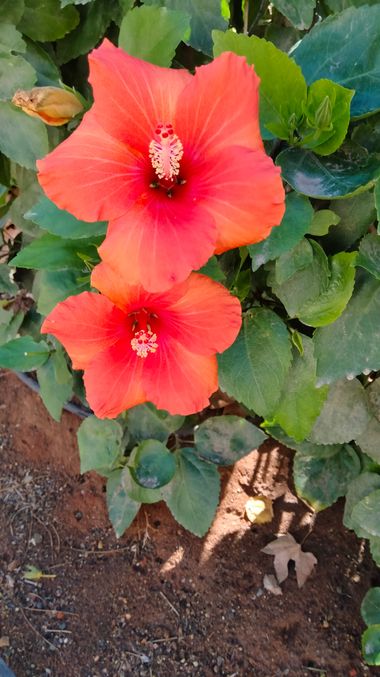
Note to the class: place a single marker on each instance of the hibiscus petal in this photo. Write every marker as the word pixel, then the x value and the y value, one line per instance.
pixel 206 319
pixel 131 95
pixel 243 191
pixel 220 107
pixel 113 380
pixel 158 245
pixel 85 325
pixel 93 175
pixel 178 380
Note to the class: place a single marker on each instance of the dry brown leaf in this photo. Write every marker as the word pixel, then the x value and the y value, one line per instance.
pixel 4 642
pixel 259 509
pixel 270 583
pixel 286 548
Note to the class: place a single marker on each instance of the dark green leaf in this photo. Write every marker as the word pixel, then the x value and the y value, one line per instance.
pixel 153 464
pixel 321 481
pixel 254 368
pixel 56 383
pixel 369 254
pixel 365 513
pixel 282 87
pixel 356 215
pixel 56 285
pixel 356 332
pixel 326 178
pixel 193 494
pixel 166 29
pixel 295 260
pixel 300 402
pixel 322 220
pixel 371 645
pixel 121 508
pixel 10 324
pixel 59 222
pixel 47 21
pixel 11 11
pixel 94 21
pixel 29 190
pixel 295 223
pixel 15 73
pixel 225 439
pixel 145 422
pixel 300 14
pixel 344 416
pixel 307 448
pixel 370 607
pixel 351 55
pixel 22 138
pixel 99 443
pixel 50 252
pixel 377 203
pixel 7 286
pixel 47 72
pixel 23 354
pixel 359 488
pixel 212 269
pixel 141 494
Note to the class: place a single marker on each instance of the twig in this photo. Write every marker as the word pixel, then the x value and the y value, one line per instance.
pixel 170 604
pixel 37 632
pixel 163 640
pixel 56 630
pixel 100 552
pixel 50 611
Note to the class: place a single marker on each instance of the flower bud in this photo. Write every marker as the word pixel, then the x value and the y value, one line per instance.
pixel 52 105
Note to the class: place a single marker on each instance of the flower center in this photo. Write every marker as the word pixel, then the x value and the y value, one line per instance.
pixel 165 152
pixel 144 342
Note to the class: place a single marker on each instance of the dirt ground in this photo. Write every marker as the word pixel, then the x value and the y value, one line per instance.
pixel 160 602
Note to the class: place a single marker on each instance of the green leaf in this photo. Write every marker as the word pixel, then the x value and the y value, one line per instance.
pixel 369 254
pixel 307 448
pixel 166 29
pixel 11 39
pixel 344 416
pixel 351 55
pixel 59 222
pixel 326 178
pixel 301 401
pixel 7 286
pixel 295 223
pixel 47 21
pixel 29 190
pixel 94 21
pixel 322 220
pixel 365 513
pixel 373 394
pixel 193 494
pixel 23 354
pixel 327 307
pixel 327 116
pixel 47 72
pixel 122 510
pixel 56 383
pixel 377 203
pixel 352 343
pixel 212 269
pixel 56 285
pixel 141 494
pixel 50 252
pixel 22 138
pixel 11 11
pixel 371 645
pixel 295 260
pixel 356 215
pixel 369 439
pixel 64 3
pixel 99 444
pixel 282 88
pixel 145 422
pixel 321 481
pixel 300 14
pixel 10 324
pixel 370 607
pixel 15 73
pixel 153 464
pixel 359 488
pixel 225 439
pixel 254 368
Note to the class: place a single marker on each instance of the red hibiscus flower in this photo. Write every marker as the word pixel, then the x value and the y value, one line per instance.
pixel 136 346
pixel 175 162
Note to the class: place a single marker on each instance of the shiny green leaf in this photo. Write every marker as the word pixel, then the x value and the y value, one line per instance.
pixel 153 464
pixel 60 222
pixel 370 607
pixel 371 645
pixel 56 285
pixel 23 354
pixel 50 252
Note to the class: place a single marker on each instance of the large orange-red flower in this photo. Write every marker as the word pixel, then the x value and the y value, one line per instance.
pixel 137 346
pixel 175 162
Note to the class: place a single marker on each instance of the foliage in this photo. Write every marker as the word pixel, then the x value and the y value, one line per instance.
pixel 306 363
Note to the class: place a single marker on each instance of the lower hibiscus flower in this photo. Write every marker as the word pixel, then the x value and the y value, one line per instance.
pixel 136 346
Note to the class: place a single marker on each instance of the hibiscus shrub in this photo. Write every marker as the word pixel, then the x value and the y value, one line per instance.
pixel 212 169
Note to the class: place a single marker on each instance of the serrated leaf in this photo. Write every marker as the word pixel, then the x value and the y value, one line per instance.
pixel 344 416
pixel 47 72
pixel 60 222
pixel 301 401
pixel 370 607
pixel 225 439
pixel 11 11
pixel 122 510
pixel 321 481
pixel 356 332
pixel 99 443
pixel 145 422
pixel 23 354
pixel 295 223
pixel 254 368
pixel 47 21
pixel 356 215
pixel 56 285
pixel 56 383
pixel 305 447
pixel 282 88
pixel 373 394
pixel 166 29
pixel 193 494
pixel 365 513
pixel 369 440
pixel 51 252
pixel 300 14
pixel 15 73
pixel 10 39
pixel 322 220
pixel 153 465
pixel 22 138
pixel 94 21
pixel 359 488
pixel 369 254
